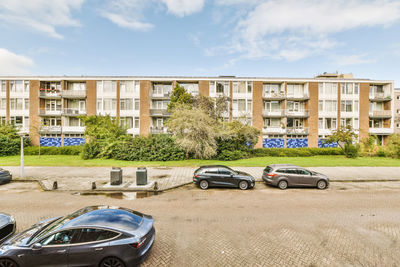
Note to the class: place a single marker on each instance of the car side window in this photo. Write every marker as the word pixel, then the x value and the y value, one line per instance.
pixel 224 171
pixel 212 171
pixel 303 172
pixel 92 234
pixel 291 171
pixel 59 238
pixel 281 170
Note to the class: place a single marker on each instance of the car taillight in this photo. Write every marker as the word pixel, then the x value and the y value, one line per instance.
pixel 138 245
pixel 271 174
pixel 196 175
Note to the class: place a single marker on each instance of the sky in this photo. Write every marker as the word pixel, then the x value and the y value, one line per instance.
pixel 248 38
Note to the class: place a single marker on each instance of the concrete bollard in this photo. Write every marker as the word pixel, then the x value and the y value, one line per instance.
pixel 155 186
pixel 93 185
pixel 55 185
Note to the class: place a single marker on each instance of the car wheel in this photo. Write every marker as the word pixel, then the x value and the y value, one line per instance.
pixel 243 185
pixel 322 184
pixel 283 185
pixel 203 184
pixel 7 263
pixel 112 262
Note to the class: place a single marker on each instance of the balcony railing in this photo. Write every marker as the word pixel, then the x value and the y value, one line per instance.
pixel 73 112
pixel 47 112
pixel 160 95
pixel 382 130
pixel 49 93
pixel 273 113
pixel 297 130
pixel 73 129
pixel 381 96
pixel 278 95
pixel 158 130
pixel 159 112
pixel 273 130
pixel 299 96
pixel 50 129
pixel 380 114
pixel 73 93
pixel 298 113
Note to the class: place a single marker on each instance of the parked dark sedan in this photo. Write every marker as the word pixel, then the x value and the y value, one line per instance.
pixel 285 175
pixel 5 176
pixel 92 236
pixel 218 175
pixel 7 226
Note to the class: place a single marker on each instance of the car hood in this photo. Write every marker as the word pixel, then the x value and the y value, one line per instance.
pixel 245 174
pixel 5 219
pixel 319 174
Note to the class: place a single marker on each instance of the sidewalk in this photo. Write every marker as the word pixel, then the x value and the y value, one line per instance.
pixel 81 178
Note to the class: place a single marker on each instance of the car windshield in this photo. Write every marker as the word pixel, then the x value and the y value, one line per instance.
pixel 18 240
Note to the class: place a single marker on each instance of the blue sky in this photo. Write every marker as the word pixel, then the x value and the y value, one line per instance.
pixel 285 38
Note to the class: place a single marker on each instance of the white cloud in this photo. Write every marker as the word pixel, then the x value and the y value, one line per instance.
pixel 40 15
pixel 295 29
pixel 348 60
pixel 183 8
pixel 127 22
pixel 13 64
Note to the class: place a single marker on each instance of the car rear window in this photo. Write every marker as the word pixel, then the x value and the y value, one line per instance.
pixel 268 169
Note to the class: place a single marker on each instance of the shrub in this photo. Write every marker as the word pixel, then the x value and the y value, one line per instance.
pixel 381 153
pixel 9 146
pixel 351 151
pixel 232 155
pixel 393 146
pixel 91 150
pixel 295 152
pixel 44 150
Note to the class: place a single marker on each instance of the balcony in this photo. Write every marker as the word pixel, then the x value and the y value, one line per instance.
pixel 155 95
pixel 382 114
pixel 158 130
pixel 273 130
pixel 73 94
pixel 380 96
pixel 47 112
pixel 159 113
pixel 299 96
pixel 73 112
pixel 73 129
pixel 297 130
pixel 381 131
pixel 50 129
pixel 43 93
pixel 277 113
pixel 274 96
pixel 298 113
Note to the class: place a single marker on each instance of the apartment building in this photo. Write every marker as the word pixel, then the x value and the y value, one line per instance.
pixel 397 110
pixel 289 112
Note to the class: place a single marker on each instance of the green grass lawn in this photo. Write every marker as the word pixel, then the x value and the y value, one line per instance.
pixel 315 161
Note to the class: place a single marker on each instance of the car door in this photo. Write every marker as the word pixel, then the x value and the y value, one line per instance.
pixel 292 176
pixel 227 177
pixel 306 178
pixel 53 251
pixel 89 248
pixel 212 176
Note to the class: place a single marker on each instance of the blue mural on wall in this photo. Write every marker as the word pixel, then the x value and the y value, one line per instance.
pixel 73 141
pixel 323 144
pixel 50 141
pixel 273 142
pixel 296 142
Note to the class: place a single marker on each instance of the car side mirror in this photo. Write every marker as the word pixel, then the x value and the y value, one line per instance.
pixel 231 175
pixel 37 246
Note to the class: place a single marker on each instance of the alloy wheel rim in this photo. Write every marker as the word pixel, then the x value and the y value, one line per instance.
pixel 321 185
pixel 203 184
pixel 283 185
pixel 243 185
pixel 112 263
pixel 7 263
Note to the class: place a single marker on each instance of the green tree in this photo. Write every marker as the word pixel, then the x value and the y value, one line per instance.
pixel 179 96
pixel 9 140
pixel 194 130
pixel 393 146
pixel 345 137
pixel 215 108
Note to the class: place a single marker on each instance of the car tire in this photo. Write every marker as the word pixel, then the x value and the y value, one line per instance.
pixel 243 185
pixel 321 184
pixel 203 184
pixel 112 262
pixel 283 184
pixel 8 263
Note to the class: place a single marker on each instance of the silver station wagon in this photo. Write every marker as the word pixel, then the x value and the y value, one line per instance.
pixel 287 175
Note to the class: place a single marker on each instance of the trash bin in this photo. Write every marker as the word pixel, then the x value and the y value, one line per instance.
pixel 116 176
pixel 141 176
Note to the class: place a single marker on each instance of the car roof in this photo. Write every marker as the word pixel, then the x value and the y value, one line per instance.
pixel 213 166
pixel 111 217
pixel 275 166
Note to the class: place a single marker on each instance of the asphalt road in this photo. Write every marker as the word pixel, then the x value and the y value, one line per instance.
pixel 348 224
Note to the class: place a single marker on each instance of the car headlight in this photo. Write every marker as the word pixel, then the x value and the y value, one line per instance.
pixel 12 219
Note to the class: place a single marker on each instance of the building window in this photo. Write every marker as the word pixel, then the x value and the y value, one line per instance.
pixel 110 104
pixel 53 105
pixel 16 103
pixel 3 86
pixel 17 120
pixel 26 103
pixel 127 122
pixel 295 89
pixel 320 123
pixel 346 106
pixel 26 86
pixel 136 122
pixel 192 88
pixel 99 104
pixel 48 121
pixel 137 104
pixel 126 104
pixel 249 87
pixel 3 120
pixel 77 86
pixel 330 123
pixel 3 103
pixel 106 86
pixel 272 89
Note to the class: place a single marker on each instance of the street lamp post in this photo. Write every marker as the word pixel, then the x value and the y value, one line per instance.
pixel 22 154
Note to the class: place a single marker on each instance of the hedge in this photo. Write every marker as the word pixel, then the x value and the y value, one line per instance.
pixel 47 150
pixel 295 152
pixel 9 146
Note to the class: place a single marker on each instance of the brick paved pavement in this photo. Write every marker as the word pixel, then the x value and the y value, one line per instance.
pixel 344 225
pixel 81 178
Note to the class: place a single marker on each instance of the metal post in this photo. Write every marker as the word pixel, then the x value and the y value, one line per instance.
pixel 22 156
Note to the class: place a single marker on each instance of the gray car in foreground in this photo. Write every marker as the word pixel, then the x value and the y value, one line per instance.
pixel 7 226
pixel 5 176
pixel 287 175
pixel 104 236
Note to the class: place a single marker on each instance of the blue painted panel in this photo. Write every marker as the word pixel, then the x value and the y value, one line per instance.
pixel 296 142
pixel 50 141
pixel 322 144
pixel 273 142
pixel 76 141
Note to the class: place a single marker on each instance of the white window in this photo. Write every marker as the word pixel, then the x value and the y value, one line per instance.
pixel 3 86
pixel 272 89
pixel 192 88
pixel 110 104
pixel 3 103
pixel 137 104
pixel 320 123
pixel 109 86
pixel 53 105
pixel 295 89
pixel 16 103
pixel 127 122
pixel 137 122
pixel 26 103
pixel 77 86
pixel 99 104
pixel 127 86
pixel 126 104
